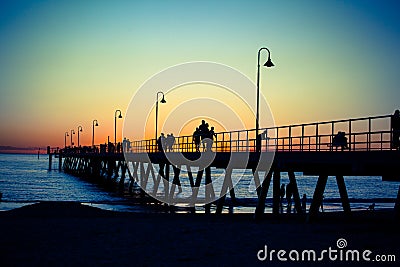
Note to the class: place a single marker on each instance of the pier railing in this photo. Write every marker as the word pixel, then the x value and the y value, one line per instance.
pixel 361 134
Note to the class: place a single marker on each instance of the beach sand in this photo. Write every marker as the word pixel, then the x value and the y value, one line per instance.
pixel 71 234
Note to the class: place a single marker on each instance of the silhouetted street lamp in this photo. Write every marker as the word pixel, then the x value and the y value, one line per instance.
pixel 115 124
pixel 162 101
pixel 79 130
pixel 65 139
pixel 72 132
pixel 93 131
pixel 267 64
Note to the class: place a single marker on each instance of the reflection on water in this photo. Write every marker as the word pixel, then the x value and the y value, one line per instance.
pixel 25 180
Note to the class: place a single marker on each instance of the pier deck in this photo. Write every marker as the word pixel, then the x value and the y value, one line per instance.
pixel 309 148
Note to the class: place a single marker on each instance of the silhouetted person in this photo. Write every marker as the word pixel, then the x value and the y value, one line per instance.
pixel 204 133
pixel 170 141
pixel 124 145
pixel 395 124
pixel 128 145
pixel 196 139
pixel 161 142
pixel 340 139
pixel 304 203
pixel 210 139
pixel 118 147
pixel 282 195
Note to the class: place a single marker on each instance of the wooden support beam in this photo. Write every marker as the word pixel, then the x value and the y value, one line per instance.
pixel 160 175
pixel 209 190
pixel 296 195
pixel 166 182
pixel 256 180
pixel 343 193
pixel 190 175
pixel 196 188
pixel 276 201
pixel 175 182
pixel 121 183
pixel 318 194
pixel 263 195
pixel 224 190
pixel 50 160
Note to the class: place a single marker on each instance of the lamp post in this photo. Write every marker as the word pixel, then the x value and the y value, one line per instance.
pixel 115 124
pixel 267 64
pixel 93 131
pixel 65 139
pixel 72 132
pixel 79 130
pixel 162 101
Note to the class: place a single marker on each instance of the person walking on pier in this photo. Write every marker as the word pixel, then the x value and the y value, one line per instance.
pixel 204 133
pixel 211 135
pixel 196 139
pixel 161 142
pixel 170 141
pixel 395 124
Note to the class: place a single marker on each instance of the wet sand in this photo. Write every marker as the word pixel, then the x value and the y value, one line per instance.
pixel 70 234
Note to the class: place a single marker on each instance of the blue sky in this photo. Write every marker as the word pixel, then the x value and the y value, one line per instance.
pixel 65 63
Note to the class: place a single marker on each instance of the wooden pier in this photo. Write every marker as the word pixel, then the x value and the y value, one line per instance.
pixel 307 148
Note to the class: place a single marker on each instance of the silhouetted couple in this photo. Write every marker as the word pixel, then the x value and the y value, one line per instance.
pixel 126 145
pixel 166 143
pixel 205 135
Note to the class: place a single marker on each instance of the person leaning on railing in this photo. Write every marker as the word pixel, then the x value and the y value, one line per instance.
pixel 340 140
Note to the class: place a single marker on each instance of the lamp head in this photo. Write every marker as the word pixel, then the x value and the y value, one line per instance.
pixel 96 124
pixel 120 116
pixel 269 63
pixel 163 100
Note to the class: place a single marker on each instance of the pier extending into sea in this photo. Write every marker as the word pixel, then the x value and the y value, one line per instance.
pixel 348 147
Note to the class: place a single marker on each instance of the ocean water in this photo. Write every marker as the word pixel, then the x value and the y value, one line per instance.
pixel 25 179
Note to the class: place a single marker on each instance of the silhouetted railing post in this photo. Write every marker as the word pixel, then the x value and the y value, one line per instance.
pixel 369 134
pixel 277 139
pixel 302 137
pixel 316 137
pixel 349 145
pixel 331 137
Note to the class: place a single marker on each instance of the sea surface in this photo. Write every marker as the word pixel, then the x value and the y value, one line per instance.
pixel 25 179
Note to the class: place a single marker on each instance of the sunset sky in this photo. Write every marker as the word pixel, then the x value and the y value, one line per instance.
pixel 65 63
